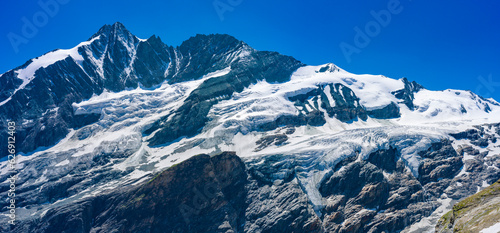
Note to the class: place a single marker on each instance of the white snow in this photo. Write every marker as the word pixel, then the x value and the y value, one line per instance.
pixel 447 105
pixel 62 163
pixel 267 101
pixel 493 229
pixel 374 91
pixel 329 96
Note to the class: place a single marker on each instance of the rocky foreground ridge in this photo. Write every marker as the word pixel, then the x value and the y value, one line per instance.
pixel 475 213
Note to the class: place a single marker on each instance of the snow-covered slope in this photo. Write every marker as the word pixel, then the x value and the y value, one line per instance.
pixel 263 102
pixel 27 73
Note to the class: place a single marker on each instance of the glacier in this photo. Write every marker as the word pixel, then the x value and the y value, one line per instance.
pixel 265 119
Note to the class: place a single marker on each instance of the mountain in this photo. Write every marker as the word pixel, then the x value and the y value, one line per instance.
pixel 111 126
pixel 41 92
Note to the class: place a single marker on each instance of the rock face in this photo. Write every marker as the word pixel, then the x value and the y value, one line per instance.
pixel 407 94
pixel 380 195
pixel 475 213
pixel 202 194
pixel 345 105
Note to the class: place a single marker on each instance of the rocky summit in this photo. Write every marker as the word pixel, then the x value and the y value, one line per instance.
pixel 123 134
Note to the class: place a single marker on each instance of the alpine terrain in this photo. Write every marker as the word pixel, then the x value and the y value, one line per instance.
pixel 122 134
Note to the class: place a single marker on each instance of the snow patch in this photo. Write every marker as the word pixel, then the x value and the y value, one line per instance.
pixel 493 229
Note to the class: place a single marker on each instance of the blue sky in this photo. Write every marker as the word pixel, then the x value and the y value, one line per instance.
pixel 439 45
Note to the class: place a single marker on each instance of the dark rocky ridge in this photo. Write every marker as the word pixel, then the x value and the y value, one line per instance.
pixel 346 107
pixel 406 94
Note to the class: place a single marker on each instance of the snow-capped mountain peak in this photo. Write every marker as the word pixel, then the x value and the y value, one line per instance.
pixel 116 109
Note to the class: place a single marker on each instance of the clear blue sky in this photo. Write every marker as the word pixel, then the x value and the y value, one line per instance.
pixel 440 45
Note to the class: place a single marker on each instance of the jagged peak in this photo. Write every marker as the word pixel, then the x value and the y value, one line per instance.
pixel 329 67
pixel 412 85
pixel 215 41
pixel 212 37
pixel 155 39
pixel 114 30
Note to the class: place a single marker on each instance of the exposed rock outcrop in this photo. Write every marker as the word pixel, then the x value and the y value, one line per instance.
pixel 474 213
pixel 201 194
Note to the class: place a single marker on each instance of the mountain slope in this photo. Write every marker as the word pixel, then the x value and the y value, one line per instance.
pixel 475 213
pixel 318 143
